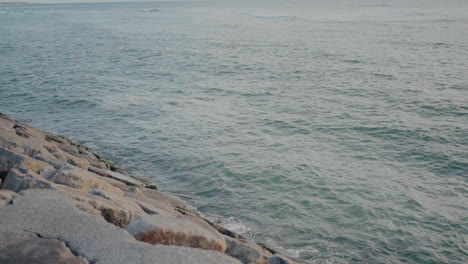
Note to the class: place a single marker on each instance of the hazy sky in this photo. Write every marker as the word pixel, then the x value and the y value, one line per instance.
pixel 84 1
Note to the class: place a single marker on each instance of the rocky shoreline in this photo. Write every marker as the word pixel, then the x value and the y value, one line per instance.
pixel 61 203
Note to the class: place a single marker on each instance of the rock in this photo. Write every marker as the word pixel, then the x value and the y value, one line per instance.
pixel 78 162
pixel 100 193
pixel 180 231
pixel 6 197
pixel 162 197
pixel 162 203
pixel 115 183
pixel 246 252
pixel 80 179
pixel 277 259
pixel 117 176
pixel 10 237
pixel 225 231
pixel 113 208
pixel 54 215
pixel 9 159
pixel 152 186
pixel 39 251
pixel 19 179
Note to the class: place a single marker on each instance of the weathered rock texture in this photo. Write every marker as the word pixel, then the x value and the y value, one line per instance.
pixel 61 203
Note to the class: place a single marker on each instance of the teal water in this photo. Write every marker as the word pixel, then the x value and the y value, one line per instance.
pixel 335 130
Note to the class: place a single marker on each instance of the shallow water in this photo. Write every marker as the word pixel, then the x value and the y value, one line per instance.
pixel 334 130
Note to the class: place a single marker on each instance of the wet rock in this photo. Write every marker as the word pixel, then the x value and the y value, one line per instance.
pixel 180 231
pixel 246 252
pixel 225 231
pixel 39 251
pixel 277 259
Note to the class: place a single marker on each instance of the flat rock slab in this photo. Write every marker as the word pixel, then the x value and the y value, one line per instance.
pixel 53 215
pixel 116 176
pixel 180 231
pixel 39 251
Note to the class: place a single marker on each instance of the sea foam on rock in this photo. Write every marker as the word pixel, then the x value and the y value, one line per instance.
pixel 61 203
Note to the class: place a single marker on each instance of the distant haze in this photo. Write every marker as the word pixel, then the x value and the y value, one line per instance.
pixel 78 1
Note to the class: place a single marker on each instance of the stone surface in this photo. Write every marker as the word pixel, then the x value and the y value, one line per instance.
pixel 247 253
pixel 6 197
pixel 158 229
pixel 162 202
pixel 117 176
pixel 53 215
pixel 9 159
pixel 277 259
pixel 81 179
pixel 19 178
pixel 113 208
pixel 39 251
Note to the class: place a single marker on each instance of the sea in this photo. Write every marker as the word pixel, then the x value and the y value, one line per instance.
pixel 336 131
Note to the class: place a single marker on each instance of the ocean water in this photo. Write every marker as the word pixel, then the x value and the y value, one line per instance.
pixel 334 130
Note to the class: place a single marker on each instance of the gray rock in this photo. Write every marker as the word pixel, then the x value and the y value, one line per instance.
pixel 6 197
pixel 81 179
pixel 160 203
pixel 9 159
pixel 19 179
pixel 277 259
pixel 247 252
pixel 241 251
pixel 180 231
pixel 54 215
pixel 10 237
pixel 39 251
pixel 117 176
pixel 100 193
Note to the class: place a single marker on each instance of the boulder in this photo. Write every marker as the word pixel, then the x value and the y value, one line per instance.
pixel 117 176
pixel 19 179
pixel 162 206
pixel 160 197
pixel 278 259
pixel 180 231
pixel 39 251
pixel 9 159
pixel 113 208
pixel 52 214
pixel 80 179
pixel 247 253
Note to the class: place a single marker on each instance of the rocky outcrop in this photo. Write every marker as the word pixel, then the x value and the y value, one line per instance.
pixel 61 203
